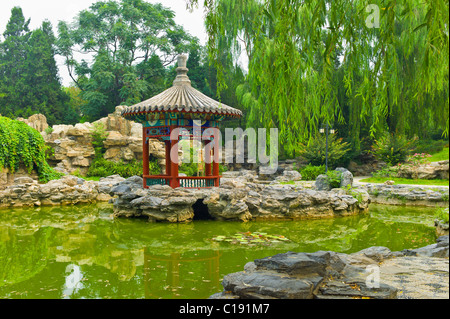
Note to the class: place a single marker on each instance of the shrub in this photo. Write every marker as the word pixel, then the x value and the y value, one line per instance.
pixel 49 130
pixel 393 149
pixel 99 135
pixel 334 178
pixel 388 171
pixel 191 169
pixel 310 172
pixel 315 151
pixel 22 145
pixel 418 159
pixel 442 215
pixel 104 168
pixel 429 146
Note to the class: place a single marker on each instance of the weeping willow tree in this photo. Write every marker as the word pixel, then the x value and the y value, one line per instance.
pixel 375 65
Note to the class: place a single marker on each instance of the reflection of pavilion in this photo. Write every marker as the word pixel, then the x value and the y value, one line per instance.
pixel 166 276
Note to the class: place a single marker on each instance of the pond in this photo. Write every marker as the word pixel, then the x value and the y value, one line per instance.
pixel 82 252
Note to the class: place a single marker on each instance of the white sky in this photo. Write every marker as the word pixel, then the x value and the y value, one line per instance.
pixel 65 10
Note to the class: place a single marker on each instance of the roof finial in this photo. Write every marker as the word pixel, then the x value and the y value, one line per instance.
pixel 182 78
pixel 182 61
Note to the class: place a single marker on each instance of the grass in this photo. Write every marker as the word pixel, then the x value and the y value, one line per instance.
pixel 91 178
pixel 397 180
pixel 288 183
pixel 440 156
pixel 442 214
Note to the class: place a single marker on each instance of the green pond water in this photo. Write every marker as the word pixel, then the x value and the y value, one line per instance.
pixel 82 252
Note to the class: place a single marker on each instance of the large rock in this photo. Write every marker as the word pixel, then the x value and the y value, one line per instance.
pixel 289 175
pixel 346 177
pixel 432 170
pixel 407 194
pixel 36 121
pixel 372 273
pixel 114 139
pixel 237 199
pixel 300 276
pixel 74 151
pixel 440 249
pixel 322 183
pixel 69 190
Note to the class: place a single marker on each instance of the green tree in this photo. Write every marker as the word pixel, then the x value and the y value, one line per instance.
pixel 13 53
pixel 318 62
pixel 131 42
pixel 29 81
pixel 44 93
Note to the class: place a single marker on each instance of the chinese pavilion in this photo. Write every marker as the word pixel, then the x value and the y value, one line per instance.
pixel 180 107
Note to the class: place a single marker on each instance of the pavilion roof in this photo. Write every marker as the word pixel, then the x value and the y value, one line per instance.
pixel 181 97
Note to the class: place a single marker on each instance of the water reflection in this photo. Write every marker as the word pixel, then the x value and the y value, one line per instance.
pixel 175 275
pixel 82 252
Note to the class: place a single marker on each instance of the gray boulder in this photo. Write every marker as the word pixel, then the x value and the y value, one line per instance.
pixel 322 183
pixel 346 177
pixel 293 275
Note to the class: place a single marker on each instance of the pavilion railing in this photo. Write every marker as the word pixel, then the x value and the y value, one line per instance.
pixel 197 181
pixel 184 181
pixel 156 180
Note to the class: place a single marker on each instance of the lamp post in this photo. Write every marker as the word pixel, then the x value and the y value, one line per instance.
pixel 326 130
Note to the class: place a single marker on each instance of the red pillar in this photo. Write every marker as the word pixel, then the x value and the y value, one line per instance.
pixel 145 156
pixel 167 144
pixel 174 182
pixel 207 158
pixel 216 164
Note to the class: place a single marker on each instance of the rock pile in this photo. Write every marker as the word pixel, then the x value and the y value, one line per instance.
pixel 72 144
pixel 407 195
pixel 322 182
pixel 69 190
pixel 433 170
pixel 236 199
pixel 330 275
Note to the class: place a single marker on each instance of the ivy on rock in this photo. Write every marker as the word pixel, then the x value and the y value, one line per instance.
pixel 22 145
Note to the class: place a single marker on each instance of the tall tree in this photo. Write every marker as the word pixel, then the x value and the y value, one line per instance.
pixel 29 81
pixel 13 54
pixel 45 94
pixel 130 41
pixel 394 63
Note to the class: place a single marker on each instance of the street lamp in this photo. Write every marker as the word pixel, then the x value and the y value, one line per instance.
pixel 326 130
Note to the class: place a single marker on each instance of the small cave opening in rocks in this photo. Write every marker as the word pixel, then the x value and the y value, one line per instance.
pixel 201 211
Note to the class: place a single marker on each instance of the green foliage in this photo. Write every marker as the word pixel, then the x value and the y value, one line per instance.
pixel 387 171
pixel 310 172
pixel 442 215
pixel 29 81
pixel 49 130
pixel 99 135
pixel 314 62
pixel 315 151
pixel 104 168
pixel 440 156
pixel 429 146
pixel 392 148
pixel 397 180
pixel 288 183
pixel 334 178
pixel 23 145
pixel 74 105
pixel 132 41
pixel 192 169
pixel 355 193
pixel 251 238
